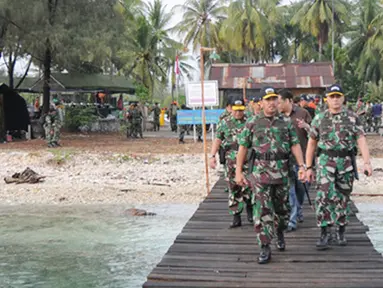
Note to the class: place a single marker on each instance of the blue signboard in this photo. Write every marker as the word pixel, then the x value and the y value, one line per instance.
pixel 194 117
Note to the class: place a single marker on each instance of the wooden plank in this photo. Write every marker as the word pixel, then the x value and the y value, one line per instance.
pixel 209 254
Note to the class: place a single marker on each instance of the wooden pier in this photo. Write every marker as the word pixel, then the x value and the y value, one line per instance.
pixel 209 254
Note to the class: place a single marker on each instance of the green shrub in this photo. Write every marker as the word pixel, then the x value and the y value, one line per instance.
pixel 75 117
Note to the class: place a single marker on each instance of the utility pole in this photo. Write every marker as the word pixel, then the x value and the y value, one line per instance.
pixel 333 38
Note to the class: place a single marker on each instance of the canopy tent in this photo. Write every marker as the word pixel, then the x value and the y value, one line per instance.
pixel 14 114
pixel 76 82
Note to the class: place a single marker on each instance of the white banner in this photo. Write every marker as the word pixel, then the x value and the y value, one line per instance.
pixel 194 95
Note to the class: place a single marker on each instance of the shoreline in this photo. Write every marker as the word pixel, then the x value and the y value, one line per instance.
pixel 131 179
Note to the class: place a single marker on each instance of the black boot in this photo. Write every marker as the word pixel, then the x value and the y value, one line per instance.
pixel 322 243
pixel 341 239
pixel 200 139
pixel 281 244
pixel 181 141
pixel 249 211
pixel 236 221
pixel 265 254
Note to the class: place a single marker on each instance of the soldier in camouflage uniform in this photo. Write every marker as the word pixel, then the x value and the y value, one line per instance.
pixel 52 126
pixel 256 106
pixel 272 138
pixel 361 112
pixel 227 131
pixel 156 117
pixel 336 132
pixel 225 114
pixel 321 107
pixel 137 122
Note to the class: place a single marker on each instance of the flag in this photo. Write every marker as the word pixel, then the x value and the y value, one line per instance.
pixel 177 65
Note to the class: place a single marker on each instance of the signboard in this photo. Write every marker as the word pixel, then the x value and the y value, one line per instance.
pixel 194 95
pixel 194 117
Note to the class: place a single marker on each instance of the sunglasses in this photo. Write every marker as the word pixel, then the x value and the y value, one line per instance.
pixel 335 96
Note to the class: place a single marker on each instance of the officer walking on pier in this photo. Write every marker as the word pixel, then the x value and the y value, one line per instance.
pixel 335 132
pixel 227 131
pixel 272 138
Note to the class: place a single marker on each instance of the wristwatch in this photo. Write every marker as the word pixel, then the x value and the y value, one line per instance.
pixel 303 166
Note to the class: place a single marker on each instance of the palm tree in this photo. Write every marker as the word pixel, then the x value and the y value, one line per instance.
pixel 315 17
pixel 364 42
pixel 146 64
pixel 198 26
pixel 248 29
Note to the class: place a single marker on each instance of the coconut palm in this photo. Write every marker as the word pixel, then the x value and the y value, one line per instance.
pixel 365 40
pixel 249 29
pixel 315 17
pixel 198 26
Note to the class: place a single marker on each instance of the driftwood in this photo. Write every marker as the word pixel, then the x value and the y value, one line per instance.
pixel 27 176
pixel 138 212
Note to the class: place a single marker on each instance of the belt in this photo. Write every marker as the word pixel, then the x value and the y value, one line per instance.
pixel 334 153
pixel 272 156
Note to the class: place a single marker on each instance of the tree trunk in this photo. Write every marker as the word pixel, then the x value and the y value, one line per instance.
pixel 320 51
pixel 47 77
pixel 173 81
pixel 10 70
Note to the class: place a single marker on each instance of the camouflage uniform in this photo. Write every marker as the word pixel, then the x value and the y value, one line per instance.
pixel 320 108
pixel 156 118
pixel 221 117
pixel 173 117
pixel 52 126
pixel 227 131
pixel 224 115
pixel 362 117
pixel 137 122
pixel 271 141
pixel 335 134
pixel 199 132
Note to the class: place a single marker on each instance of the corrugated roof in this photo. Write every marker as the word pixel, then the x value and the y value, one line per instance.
pixel 282 75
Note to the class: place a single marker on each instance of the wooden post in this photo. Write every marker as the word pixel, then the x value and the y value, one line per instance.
pixel 244 90
pixel 204 120
pixel 2 119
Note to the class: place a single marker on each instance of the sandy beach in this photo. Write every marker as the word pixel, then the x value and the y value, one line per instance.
pixel 94 172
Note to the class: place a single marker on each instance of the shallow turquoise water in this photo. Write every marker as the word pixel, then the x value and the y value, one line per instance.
pixel 371 214
pixel 98 246
pixel 84 246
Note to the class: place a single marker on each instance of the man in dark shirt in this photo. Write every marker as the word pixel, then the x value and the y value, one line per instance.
pixel 301 120
pixel 304 104
pixel 377 116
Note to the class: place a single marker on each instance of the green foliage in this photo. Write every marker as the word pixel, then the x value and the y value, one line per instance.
pixel 142 92
pixel 75 117
pixel 374 92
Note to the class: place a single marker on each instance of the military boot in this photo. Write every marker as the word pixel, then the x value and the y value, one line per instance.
pixel 322 243
pixel 281 244
pixel 249 211
pixel 236 221
pixel 341 239
pixel 265 254
pixel 181 141
pixel 200 139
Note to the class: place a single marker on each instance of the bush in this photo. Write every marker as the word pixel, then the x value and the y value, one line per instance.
pixel 75 117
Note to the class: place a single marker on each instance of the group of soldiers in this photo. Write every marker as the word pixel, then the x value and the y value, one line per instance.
pixel 271 146
pixel 133 120
pixel 370 115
